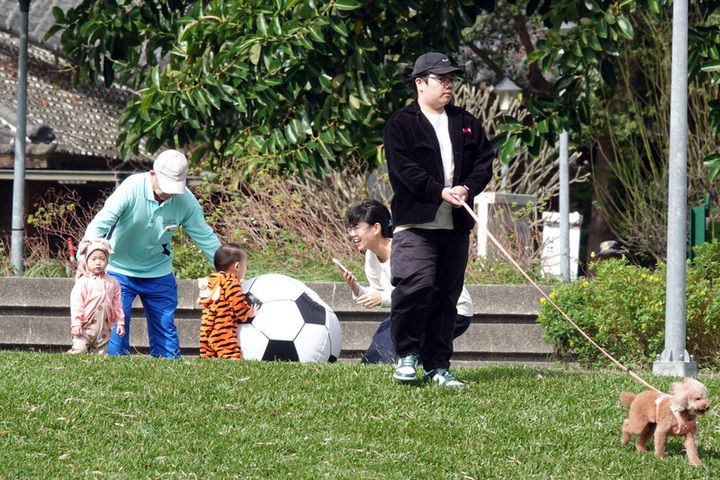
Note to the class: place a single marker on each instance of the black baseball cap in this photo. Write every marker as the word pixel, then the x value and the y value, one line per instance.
pixel 433 62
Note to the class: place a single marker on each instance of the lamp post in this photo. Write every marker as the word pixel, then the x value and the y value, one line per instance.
pixel 675 359
pixel 17 239
pixel 564 178
pixel 506 91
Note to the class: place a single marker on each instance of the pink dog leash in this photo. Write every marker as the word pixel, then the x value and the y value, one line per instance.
pixel 547 297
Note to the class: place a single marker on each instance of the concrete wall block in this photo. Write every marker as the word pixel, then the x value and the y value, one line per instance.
pixel 36 312
pixel 498 338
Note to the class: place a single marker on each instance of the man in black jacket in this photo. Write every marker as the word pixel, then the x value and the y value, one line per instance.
pixel 437 156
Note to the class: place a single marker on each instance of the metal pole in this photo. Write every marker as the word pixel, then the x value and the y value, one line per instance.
pixel 675 360
pixel 17 240
pixel 564 207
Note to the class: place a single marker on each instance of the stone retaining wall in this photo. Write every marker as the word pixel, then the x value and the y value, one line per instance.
pixel 34 315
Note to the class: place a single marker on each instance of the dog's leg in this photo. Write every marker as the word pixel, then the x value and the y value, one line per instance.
pixel 644 437
pixel 626 432
pixel 660 441
pixel 691 448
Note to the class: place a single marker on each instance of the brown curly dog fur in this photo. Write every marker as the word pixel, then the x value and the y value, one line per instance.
pixel 652 414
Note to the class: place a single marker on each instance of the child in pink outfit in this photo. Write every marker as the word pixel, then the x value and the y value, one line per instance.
pixel 95 302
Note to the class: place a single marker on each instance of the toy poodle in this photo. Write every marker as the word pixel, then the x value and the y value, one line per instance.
pixel 661 415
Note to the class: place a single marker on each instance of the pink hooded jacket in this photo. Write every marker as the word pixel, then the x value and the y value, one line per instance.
pixel 90 292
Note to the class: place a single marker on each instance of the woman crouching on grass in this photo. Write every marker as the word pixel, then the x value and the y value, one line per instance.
pixel 369 227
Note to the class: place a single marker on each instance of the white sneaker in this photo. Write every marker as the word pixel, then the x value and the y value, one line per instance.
pixel 406 368
pixel 443 377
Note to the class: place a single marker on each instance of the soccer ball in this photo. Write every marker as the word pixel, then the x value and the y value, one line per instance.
pixel 293 323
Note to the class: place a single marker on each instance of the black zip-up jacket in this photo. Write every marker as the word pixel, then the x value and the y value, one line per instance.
pixel 415 163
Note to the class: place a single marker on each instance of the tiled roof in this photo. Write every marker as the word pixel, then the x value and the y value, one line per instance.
pixel 83 120
pixel 40 19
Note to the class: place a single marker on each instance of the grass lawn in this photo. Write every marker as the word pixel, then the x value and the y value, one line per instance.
pixel 83 416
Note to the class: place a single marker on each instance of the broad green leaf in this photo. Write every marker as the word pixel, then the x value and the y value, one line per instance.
pixel 609 47
pixel 328 135
pixel 508 123
pixel 547 62
pixel 626 28
pixel 368 150
pixel 576 49
pixel 592 6
pixel 58 14
pixel 653 4
pixel 325 151
pixel 338 24
pixel 563 83
pixel 536 146
pixel 344 138
pixel 262 25
pixel 711 66
pixel 155 77
pixel 315 33
pixel 290 134
pixel 713 163
pixel 199 98
pixel 212 98
pixel 354 102
pixel 255 52
pixel 593 42
pixel 507 151
pixel 257 142
pixel 543 126
pixel 607 71
pixel 52 31
pixel 532 57
pixel 590 55
pixel 347 4
pixel 527 136
pixel 601 29
pixel 88 27
pixel 338 80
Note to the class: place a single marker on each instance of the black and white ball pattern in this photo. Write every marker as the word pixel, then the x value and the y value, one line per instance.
pixel 293 323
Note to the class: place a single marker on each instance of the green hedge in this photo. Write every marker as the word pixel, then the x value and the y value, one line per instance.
pixel 622 308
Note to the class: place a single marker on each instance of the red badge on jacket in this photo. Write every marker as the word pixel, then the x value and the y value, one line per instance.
pixel 467 130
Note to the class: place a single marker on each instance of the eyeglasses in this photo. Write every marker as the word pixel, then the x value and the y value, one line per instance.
pixel 446 81
pixel 354 229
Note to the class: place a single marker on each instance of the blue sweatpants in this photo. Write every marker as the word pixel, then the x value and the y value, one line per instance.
pixel 159 298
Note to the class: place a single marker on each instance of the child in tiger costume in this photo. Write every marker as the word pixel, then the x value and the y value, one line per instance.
pixel 224 304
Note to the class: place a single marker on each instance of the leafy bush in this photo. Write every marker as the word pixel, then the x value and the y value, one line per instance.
pixel 623 310
pixel 287 225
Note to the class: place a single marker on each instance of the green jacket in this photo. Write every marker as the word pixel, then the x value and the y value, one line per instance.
pixel 139 228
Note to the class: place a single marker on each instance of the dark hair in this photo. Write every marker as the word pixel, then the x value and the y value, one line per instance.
pixel 409 79
pixel 228 254
pixel 371 212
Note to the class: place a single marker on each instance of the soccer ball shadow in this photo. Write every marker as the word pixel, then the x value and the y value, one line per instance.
pixel 293 323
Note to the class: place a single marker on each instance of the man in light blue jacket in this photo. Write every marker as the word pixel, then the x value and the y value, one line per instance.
pixel 139 218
